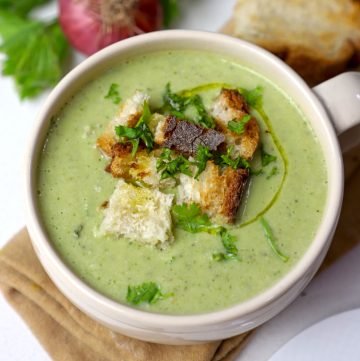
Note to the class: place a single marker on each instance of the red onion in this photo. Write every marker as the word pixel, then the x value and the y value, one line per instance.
pixel 90 25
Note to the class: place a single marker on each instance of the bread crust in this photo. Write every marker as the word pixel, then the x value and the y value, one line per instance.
pixel 318 39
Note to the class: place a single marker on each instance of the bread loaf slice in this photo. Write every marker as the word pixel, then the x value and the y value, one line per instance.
pixel 318 38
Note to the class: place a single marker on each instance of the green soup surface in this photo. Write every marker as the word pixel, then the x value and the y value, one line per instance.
pixel 72 184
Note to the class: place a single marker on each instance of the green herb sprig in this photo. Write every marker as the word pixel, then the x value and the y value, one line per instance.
pixel 170 166
pixel 177 104
pixel 238 126
pixel 141 131
pixel 271 240
pixel 228 241
pixel 113 93
pixel 148 292
pixel 226 160
pixel 253 97
pixel 34 52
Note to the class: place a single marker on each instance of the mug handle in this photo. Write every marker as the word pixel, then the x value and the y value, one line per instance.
pixel 340 96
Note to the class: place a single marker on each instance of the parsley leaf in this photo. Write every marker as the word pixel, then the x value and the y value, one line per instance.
pixel 33 52
pixel 113 93
pixel 170 11
pixel 140 132
pixel 271 239
pixel 190 218
pixel 226 160
pixel 273 171
pixel 239 126
pixel 177 104
pixel 266 158
pixel 146 292
pixel 203 118
pixel 20 7
pixel 253 97
pixel 228 242
pixel 203 154
pixel 170 167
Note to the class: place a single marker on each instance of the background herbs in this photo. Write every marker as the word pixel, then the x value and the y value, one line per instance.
pixel 34 52
pixel 146 292
pixel 20 7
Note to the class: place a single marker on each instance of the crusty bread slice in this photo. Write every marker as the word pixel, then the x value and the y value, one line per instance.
pixel 318 38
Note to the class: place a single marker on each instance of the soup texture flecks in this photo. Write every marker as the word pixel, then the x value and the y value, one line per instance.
pixel 290 193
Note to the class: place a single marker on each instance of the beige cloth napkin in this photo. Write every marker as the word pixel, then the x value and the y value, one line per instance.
pixel 69 335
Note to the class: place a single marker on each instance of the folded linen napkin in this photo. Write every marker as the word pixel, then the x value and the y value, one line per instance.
pixel 67 334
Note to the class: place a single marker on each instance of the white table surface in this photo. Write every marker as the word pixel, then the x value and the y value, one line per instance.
pixel 17 119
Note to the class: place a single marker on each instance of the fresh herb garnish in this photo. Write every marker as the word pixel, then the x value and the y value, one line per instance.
pixel 191 219
pixel 169 166
pixel 34 52
pixel 238 126
pixel 113 93
pixel 141 131
pixel 177 104
pixel 78 230
pixel 203 154
pixel 253 97
pixel 170 11
pixel 21 7
pixel 266 158
pixel 273 171
pixel 271 239
pixel 146 292
pixel 226 160
pixel 228 242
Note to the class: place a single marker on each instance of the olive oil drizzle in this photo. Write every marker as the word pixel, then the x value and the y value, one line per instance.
pixel 260 111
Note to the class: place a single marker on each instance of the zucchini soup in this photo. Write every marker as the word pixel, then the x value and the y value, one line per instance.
pixel 181 182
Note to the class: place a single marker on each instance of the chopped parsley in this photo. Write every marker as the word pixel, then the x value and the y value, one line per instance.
pixel 170 167
pixel 271 239
pixel 266 158
pixel 146 292
pixel 226 160
pixel 228 241
pixel 170 9
pixel 78 230
pixel 141 131
pixel 34 52
pixel 238 126
pixel 191 219
pixel 203 154
pixel 177 104
pixel 113 93
pixel 273 171
pixel 253 97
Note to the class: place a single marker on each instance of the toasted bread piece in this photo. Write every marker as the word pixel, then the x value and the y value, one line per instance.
pixel 230 105
pixel 140 214
pixel 217 192
pixel 129 113
pixel 185 137
pixel 319 39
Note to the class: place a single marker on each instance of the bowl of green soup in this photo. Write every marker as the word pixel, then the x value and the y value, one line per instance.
pixel 184 186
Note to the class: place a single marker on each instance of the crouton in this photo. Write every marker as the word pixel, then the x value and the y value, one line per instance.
pixel 231 105
pixel 139 214
pixel 185 137
pixel 218 192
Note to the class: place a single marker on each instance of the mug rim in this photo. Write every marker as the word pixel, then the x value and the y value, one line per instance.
pixel 324 232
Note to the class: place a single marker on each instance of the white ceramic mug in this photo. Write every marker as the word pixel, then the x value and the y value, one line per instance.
pixel 337 109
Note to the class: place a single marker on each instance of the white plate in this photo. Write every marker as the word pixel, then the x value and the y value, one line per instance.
pixel 336 338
